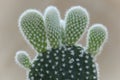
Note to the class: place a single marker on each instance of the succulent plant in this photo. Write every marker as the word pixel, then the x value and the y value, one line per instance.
pixel 59 56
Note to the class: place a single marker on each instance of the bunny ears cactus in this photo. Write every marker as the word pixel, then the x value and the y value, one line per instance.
pixel 49 34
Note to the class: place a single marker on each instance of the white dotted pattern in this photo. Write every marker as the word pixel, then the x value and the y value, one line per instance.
pixel 32 27
pixel 76 22
pixel 96 37
pixel 64 63
pixel 52 23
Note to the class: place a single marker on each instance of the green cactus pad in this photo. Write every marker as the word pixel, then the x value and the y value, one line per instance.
pixel 97 35
pixel 64 63
pixel 52 23
pixel 23 59
pixel 77 20
pixel 31 24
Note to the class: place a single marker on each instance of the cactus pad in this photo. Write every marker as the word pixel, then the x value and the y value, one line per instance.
pixel 32 27
pixel 77 20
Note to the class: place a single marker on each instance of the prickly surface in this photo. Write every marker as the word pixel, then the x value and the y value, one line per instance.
pixel 54 40
pixel 77 20
pixel 23 59
pixel 52 23
pixel 97 35
pixel 65 63
pixel 32 27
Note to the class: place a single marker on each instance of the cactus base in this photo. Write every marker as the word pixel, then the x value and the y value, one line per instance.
pixel 64 63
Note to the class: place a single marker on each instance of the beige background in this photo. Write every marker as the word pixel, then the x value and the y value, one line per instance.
pixel 101 11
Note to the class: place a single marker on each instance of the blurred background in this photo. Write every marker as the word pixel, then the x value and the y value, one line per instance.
pixel 106 12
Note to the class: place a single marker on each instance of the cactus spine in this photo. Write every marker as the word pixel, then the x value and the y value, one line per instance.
pixel 58 57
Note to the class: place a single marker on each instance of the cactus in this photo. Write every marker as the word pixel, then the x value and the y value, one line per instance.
pixel 59 56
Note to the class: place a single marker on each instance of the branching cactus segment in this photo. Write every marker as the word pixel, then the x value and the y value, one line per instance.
pixel 52 22
pixel 97 35
pixel 77 19
pixel 23 59
pixel 32 26
pixel 64 60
